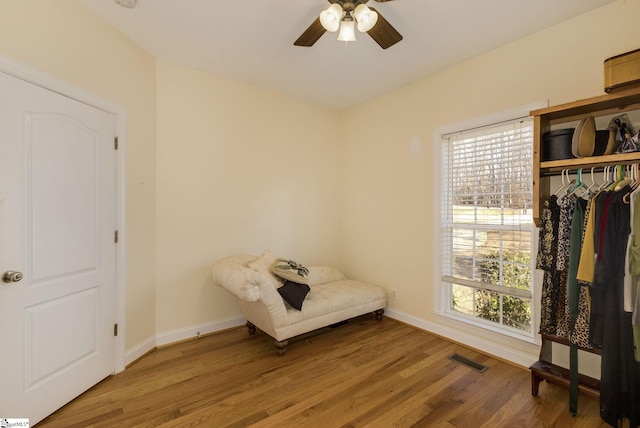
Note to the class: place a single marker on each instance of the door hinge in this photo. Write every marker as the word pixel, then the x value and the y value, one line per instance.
pixel 115 143
pixel 115 329
pixel 115 237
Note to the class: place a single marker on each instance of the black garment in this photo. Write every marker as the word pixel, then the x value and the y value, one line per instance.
pixel 620 373
pixel 596 289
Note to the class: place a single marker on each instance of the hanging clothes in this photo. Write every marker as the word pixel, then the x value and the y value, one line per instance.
pixel 546 261
pixel 575 243
pixel 620 373
pixel 583 251
pixel 587 252
pixel 634 270
pixel 567 205
pixel 596 289
pixel 580 334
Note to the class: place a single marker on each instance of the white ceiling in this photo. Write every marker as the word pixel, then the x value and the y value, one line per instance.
pixel 252 40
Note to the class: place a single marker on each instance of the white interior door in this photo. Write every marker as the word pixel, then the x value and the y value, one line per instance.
pixel 57 223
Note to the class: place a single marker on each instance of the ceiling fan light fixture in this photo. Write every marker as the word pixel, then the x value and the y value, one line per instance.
pixel 365 17
pixel 344 15
pixel 330 18
pixel 347 30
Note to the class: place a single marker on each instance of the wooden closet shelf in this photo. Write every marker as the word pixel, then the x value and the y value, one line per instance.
pixel 556 166
pixel 604 104
pixel 566 115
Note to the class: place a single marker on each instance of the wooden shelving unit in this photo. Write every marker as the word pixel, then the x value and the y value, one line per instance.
pixel 544 369
pixel 544 120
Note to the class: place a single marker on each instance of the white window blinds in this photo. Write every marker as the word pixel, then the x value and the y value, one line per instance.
pixel 486 208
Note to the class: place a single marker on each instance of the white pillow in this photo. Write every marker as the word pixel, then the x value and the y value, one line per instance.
pixel 264 265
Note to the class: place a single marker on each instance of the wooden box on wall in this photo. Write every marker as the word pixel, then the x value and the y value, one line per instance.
pixel 622 71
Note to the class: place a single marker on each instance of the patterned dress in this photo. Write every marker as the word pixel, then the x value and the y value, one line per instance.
pixel 580 334
pixel 546 261
pixel 567 206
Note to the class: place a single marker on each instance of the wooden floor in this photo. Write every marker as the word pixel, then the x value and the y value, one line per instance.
pixel 362 374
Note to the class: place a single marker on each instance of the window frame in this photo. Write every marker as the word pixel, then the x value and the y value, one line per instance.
pixel 442 289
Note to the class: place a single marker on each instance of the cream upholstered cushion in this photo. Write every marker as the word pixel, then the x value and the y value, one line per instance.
pixel 264 265
pixel 335 297
pixel 233 274
pixel 330 303
pixel 324 274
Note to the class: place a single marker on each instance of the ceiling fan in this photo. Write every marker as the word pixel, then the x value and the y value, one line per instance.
pixel 345 15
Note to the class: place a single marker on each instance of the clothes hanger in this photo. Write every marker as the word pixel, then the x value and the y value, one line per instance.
pixel 559 189
pixel 573 184
pixel 578 181
pixel 579 184
pixel 566 184
pixel 634 175
pixel 593 182
pixel 624 179
pixel 631 196
pixel 605 183
pixel 617 177
pixel 614 175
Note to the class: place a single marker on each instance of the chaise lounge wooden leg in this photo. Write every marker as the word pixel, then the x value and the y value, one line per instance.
pixel 379 313
pixel 281 346
pixel 251 328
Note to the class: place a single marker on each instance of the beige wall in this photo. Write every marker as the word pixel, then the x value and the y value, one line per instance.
pixel 239 170
pixel 68 42
pixel 389 196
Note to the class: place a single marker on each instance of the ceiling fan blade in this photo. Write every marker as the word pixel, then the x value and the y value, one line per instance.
pixel 384 33
pixel 311 34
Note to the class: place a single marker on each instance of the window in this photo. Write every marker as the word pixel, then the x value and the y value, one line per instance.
pixel 487 227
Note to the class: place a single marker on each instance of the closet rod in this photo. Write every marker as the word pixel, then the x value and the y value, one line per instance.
pixel 574 169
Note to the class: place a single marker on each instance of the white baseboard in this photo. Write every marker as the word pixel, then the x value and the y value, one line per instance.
pixel 139 350
pixel 503 352
pixel 179 335
pixel 191 332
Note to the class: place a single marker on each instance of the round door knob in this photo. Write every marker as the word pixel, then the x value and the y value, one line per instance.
pixel 11 276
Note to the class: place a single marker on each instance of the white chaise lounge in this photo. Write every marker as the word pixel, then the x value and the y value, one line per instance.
pixel 331 298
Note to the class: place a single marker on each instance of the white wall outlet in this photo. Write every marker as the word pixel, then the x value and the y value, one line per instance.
pixel 393 294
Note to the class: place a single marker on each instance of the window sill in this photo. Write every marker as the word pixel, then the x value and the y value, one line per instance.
pixel 462 323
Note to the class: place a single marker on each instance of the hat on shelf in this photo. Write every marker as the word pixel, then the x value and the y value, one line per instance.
pixel 583 143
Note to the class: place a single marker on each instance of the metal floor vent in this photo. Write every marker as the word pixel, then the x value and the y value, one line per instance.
pixel 467 362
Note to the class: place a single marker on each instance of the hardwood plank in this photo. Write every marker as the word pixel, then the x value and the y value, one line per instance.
pixel 362 374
